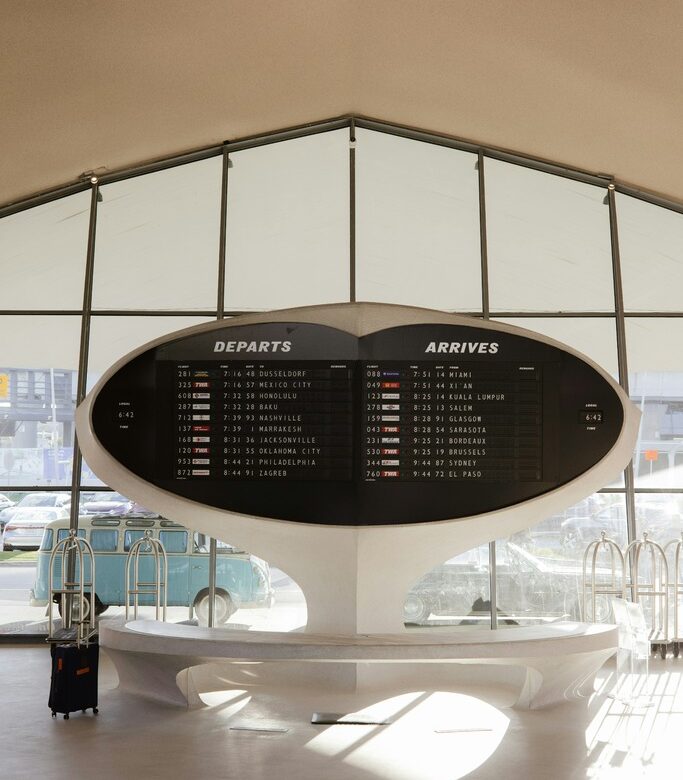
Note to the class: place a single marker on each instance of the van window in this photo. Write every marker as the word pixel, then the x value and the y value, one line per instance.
pixel 130 537
pixel 64 532
pixel 46 543
pixel 200 545
pixel 104 540
pixel 174 541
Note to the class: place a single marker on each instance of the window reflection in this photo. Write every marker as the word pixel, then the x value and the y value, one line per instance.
pixel 38 380
pixel 456 592
pixel 656 387
pixel 539 570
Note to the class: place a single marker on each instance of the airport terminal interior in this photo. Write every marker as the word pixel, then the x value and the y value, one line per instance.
pixel 201 168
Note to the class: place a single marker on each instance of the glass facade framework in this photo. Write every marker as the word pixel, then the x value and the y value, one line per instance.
pixel 483 218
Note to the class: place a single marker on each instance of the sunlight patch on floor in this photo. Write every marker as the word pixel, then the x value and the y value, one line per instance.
pixel 455 733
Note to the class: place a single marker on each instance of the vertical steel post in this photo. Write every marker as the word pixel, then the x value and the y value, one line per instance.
pixel 220 303
pixel 212 580
pixel 622 357
pixel 352 211
pixel 486 308
pixel 220 312
pixel 77 459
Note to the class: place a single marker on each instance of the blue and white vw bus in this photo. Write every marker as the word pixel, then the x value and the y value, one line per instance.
pixel 242 580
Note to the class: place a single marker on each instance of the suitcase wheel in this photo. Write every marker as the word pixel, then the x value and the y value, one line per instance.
pixel 54 714
pixel 66 717
pixel 662 651
pixel 95 710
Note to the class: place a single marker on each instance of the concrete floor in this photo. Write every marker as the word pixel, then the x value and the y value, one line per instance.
pixel 253 733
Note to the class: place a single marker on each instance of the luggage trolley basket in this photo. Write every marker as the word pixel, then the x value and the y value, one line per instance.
pixel 156 587
pixel 673 550
pixel 76 594
pixel 649 587
pixel 601 586
pixel 73 647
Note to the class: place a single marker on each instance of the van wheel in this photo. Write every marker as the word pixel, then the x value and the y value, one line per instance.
pixel 224 607
pixel 75 611
pixel 415 609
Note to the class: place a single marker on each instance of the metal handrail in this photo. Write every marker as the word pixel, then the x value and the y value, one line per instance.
pixel 69 546
pixel 157 587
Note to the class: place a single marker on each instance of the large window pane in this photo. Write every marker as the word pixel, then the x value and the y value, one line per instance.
pixel 548 242
pixel 417 223
pixel 651 252
pixel 455 593
pixel 539 571
pixel 655 362
pixel 660 515
pixel 113 337
pixel 158 238
pixel 38 370
pixel 42 255
pixel 594 337
pixel 288 224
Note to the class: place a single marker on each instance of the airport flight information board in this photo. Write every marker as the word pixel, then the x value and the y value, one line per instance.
pixel 307 422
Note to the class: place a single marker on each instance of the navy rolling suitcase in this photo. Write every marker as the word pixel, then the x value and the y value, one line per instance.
pixel 74 678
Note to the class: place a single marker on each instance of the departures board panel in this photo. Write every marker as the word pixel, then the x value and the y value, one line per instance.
pixel 305 422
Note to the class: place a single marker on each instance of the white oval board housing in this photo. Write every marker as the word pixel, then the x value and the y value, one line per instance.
pixel 357 415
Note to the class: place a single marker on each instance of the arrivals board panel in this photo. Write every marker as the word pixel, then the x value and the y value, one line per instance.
pixel 456 421
pixel 305 422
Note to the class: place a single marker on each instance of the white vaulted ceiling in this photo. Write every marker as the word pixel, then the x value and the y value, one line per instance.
pixel 88 85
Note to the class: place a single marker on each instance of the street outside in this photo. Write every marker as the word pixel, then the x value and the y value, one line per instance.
pixel 17 575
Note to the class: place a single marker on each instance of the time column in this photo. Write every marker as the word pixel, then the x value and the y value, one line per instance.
pixel 238 458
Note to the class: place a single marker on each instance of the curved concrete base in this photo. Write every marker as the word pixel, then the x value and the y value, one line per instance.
pixel 559 660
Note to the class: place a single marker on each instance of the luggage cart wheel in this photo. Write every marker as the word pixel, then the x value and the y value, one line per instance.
pixel 66 717
pixel 677 649
pixel 662 651
pixel 95 710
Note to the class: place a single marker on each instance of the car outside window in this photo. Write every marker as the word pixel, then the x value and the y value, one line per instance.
pixel 37 500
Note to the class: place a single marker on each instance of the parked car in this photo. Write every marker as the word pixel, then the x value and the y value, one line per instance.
pixel 527 586
pixel 25 530
pixel 106 504
pixel 33 500
pixel 660 516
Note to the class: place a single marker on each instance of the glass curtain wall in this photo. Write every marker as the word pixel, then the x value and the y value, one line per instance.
pixel 350 210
